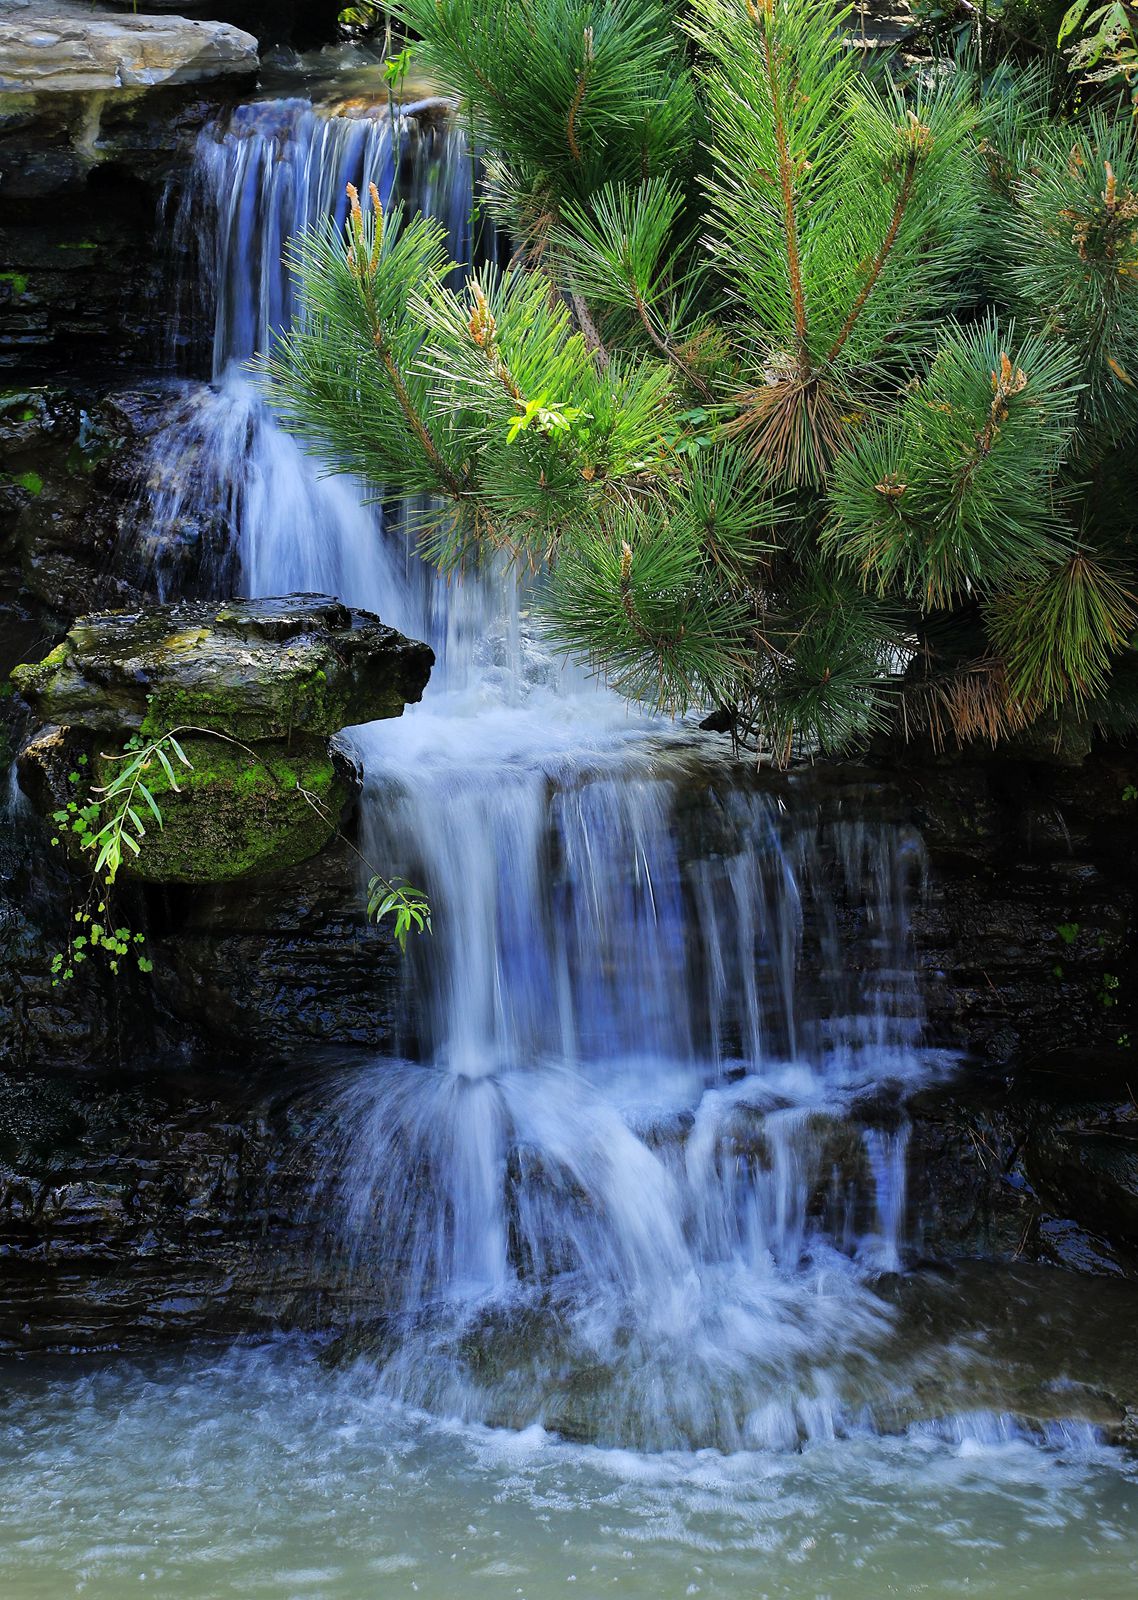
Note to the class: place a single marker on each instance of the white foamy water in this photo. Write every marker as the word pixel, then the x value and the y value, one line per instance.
pixel 636 1173
pixel 262 1473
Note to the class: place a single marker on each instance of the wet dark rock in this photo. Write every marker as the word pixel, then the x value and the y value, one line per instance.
pixel 75 469
pixel 1040 1164
pixel 248 669
pixel 42 1021
pixel 82 170
pixel 284 966
pixel 137 1207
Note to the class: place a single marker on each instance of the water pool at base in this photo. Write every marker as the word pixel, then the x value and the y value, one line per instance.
pixel 263 1472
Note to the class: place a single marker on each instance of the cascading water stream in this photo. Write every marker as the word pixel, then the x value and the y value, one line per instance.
pixel 610 1181
pixel 633 1181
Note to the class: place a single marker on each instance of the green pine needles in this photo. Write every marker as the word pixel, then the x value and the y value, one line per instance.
pixel 809 391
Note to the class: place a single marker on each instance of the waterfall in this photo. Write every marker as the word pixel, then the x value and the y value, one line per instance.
pixel 231 503
pixel 613 1178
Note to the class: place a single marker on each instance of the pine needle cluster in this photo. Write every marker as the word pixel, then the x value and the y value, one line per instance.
pixel 807 390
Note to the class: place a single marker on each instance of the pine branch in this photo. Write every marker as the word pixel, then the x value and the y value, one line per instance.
pixel 579 97
pixel 763 13
pixel 880 259
pixel 363 257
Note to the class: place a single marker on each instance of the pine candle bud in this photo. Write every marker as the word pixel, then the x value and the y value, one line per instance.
pixel 482 325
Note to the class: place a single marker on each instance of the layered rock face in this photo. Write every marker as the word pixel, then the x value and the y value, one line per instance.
pixel 98 113
pixel 72 468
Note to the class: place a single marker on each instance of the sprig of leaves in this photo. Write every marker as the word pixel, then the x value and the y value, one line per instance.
pixel 1102 43
pixel 125 826
pixel 410 906
pixel 385 896
pixel 110 823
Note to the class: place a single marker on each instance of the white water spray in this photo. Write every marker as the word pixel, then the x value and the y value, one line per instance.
pixel 616 1189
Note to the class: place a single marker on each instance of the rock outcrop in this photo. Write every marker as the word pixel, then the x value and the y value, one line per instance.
pixel 56 48
pixel 135 1207
pixel 253 689
pixel 99 111
pixel 251 669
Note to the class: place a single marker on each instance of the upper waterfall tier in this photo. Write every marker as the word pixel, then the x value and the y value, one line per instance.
pixel 279 168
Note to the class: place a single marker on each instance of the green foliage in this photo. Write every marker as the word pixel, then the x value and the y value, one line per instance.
pixel 121 822
pixel 114 817
pixel 1075 261
pixel 397 898
pixel 1108 990
pixel 822 679
pixel 807 391
pixel 952 491
pixel 1102 41
pixel 366 16
pixel 109 824
pixel 672 631
pixel 571 94
pixel 1059 634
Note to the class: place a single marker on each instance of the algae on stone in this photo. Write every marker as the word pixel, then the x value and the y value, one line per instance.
pixel 254 669
pixel 237 811
pixel 253 689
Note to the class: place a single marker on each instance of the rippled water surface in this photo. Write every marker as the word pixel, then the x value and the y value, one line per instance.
pixel 262 1472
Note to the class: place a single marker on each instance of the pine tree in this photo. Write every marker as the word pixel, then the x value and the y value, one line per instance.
pixel 808 390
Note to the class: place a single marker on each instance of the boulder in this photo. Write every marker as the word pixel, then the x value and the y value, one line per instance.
pixel 253 689
pixel 66 49
pixel 251 669
pixel 238 809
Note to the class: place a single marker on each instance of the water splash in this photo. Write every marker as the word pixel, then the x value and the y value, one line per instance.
pixel 609 1180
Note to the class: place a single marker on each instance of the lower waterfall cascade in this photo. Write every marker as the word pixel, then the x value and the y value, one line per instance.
pixel 622 1128
pixel 631 1288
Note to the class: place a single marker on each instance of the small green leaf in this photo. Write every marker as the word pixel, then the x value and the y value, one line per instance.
pixel 164 759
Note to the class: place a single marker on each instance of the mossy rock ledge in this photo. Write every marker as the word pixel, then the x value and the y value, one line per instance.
pixel 274 678
pixel 252 669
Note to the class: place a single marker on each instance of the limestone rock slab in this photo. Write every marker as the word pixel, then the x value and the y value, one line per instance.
pixel 51 48
pixel 252 669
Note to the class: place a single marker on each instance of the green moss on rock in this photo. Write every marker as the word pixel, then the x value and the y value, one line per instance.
pixel 238 814
pixel 255 669
pixel 32 677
